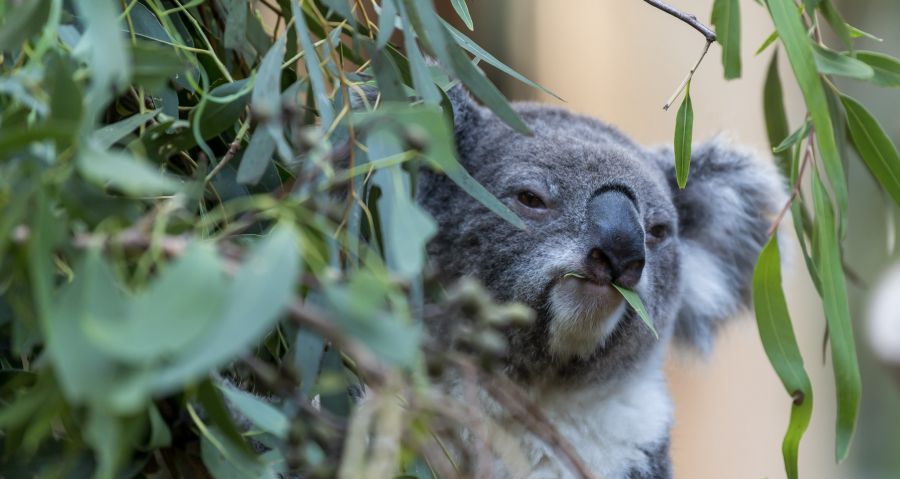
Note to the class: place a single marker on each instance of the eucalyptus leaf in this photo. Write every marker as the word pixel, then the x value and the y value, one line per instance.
pixel 124 172
pixel 885 67
pixel 726 17
pixel 463 11
pixel 635 302
pixel 830 62
pixel 874 146
pixel 684 125
pixel 776 117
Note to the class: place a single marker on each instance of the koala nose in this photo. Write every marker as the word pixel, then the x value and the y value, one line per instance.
pixel 616 240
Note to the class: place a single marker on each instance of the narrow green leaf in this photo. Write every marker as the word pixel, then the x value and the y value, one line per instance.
pixel 235 24
pixel 827 256
pixel 216 413
pixel 793 138
pixel 23 21
pixel 428 24
pixel 857 33
pixel 259 412
pixel 800 53
pixel 837 23
pixel 830 62
pixel 886 68
pixel 635 301
pixel 108 135
pixel 463 11
pixel 225 108
pixel 421 79
pixel 266 97
pixel 768 41
pixel 386 23
pixel 125 172
pixel 874 146
pixel 479 52
pixel 155 65
pixel 776 118
pixel 313 67
pixel 684 125
pixel 256 157
pixel 105 51
pixel 726 17
pixel 777 334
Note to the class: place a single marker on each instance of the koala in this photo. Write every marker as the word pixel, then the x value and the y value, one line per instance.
pixel 597 204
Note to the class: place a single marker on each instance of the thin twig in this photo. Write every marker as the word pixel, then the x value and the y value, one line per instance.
pixel 687 78
pixel 691 20
pixel 794 191
pixel 686 18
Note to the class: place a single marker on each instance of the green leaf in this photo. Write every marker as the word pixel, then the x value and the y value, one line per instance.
pixel 827 256
pixel 726 17
pixel 421 79
pixel 777 334
pixel 635 301
pixel 775 115
pixel 463 11
pixel 313 68
pixel 793 138
pixel 224 112
pixel 120 170
pixel 173 311
pixel 451 56
pixel 110 134
pixel 837 23
pixel 307 357
pixel 256 157
pixel 217 413
pixel 259 412
pixel 800 53
pixel 386 21
pixel 155 65
pixel 258 295
pixel 22 22
pixel 830 62
pixel 886 68
pixel 406 227
pixel 235 24
pixel 479 52
pixel 266 97
pixel 684 125
pixel 441 152
pixel 105 51
pixel 874 146
pixel 768 41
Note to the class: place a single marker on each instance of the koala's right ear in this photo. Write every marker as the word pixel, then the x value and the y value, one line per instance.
pixel 724 214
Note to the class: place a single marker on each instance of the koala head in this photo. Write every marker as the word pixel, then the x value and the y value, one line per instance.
pixel 600 209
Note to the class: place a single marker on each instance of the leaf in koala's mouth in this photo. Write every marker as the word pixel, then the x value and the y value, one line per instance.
pixel 573 274
pixel 635 301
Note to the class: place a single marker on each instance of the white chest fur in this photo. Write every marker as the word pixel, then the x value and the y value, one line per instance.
pixel 608 426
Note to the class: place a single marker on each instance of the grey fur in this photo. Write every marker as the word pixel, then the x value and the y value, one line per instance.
pixel 719 221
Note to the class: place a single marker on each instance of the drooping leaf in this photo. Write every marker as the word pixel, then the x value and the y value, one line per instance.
pixel 125 172
pixel 257 157
pixel 874 146
pixel 259 412
pixel 386 21
pixel 684 125
pixel 886 68
pixel 800 53
pixel 266 97
pixel 421 79
pixel 776 118
pixel 314 69
pixel 634 300
pixel 837 23
pixel 463 11
pixel 830 62
pixel 21 22
pixel 222 113
pixel 105 51
pixel 726 17
pixel 793 138
pixel 235 24
pixel 777 334
pixel 110 134
pixel 827 256
pixel 155 65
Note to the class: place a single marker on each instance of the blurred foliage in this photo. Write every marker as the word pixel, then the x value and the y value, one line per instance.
pixel 191 211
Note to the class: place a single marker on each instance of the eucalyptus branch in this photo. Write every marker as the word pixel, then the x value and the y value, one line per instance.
pixel 691 20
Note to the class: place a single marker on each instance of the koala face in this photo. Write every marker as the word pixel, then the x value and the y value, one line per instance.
pixel 599 209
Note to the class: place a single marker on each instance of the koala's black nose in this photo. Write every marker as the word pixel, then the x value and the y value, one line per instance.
pixel 616 240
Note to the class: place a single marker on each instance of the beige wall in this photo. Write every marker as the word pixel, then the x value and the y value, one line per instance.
pixel 620 61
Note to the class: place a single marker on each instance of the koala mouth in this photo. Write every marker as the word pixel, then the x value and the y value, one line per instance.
pixel 584 312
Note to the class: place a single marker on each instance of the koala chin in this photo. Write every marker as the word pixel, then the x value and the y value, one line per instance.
pixel 599 210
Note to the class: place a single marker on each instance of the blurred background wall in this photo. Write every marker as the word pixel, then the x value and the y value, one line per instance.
pixel 620 61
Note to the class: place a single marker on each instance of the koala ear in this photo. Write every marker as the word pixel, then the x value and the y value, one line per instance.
pixel 724 214
pixel 467 115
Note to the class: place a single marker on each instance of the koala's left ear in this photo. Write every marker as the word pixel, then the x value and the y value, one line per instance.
pixel 724 213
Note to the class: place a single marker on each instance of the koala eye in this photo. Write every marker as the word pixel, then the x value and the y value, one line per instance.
pixel 658 233
pixel 531 200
